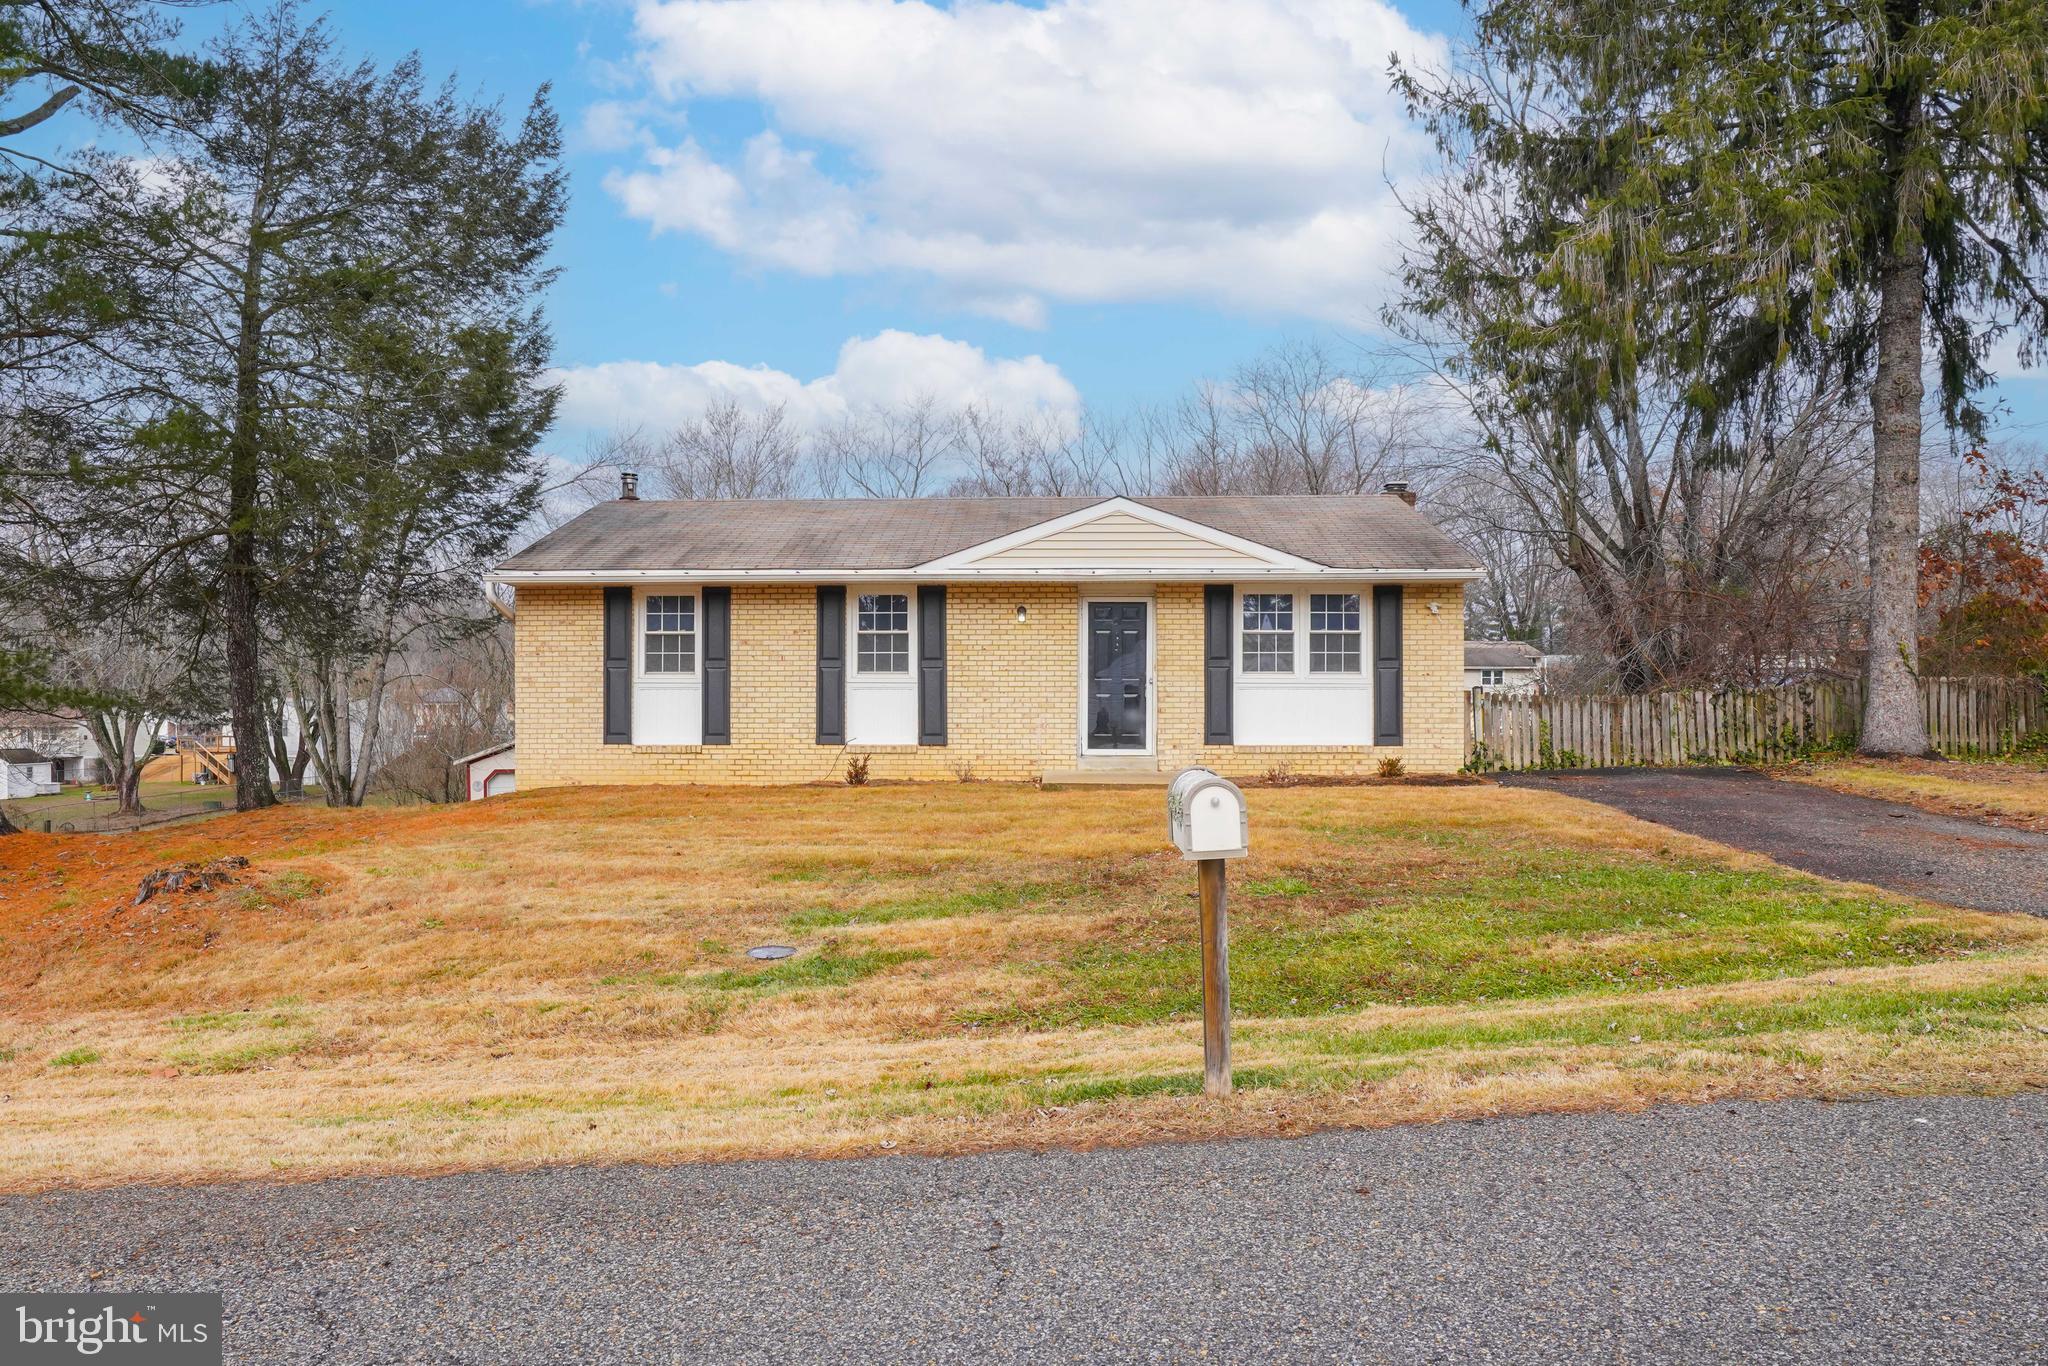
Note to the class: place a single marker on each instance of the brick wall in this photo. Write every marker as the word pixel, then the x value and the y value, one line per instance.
pixel 1013 693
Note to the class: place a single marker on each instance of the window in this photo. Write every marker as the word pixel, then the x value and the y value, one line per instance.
pixel 882 633
pixel 669 643
pixel 1333 633
pixel 1491 678
pixel 1269 633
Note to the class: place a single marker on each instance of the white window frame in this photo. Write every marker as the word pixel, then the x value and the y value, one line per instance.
pixel 668 707
pixel 909 633
pixel 1293 631
pixel 1151 748
pixel 1261 708
pixel 1308 633
pixel 642 602
pixel 881 708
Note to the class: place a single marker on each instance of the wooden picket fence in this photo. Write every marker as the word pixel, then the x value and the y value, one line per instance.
pixel 1965 716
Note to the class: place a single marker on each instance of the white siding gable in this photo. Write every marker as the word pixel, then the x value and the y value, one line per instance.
pixel 1117 535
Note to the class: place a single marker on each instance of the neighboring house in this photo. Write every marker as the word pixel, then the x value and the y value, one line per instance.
pixel 25 773
pixel 489 772
pixel 61 737
pixel 1502 665
pixel 437 708
pixel 1003 638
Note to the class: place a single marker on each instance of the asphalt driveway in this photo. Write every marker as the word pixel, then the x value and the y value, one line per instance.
pixel 1897 1231
pixel 1859 839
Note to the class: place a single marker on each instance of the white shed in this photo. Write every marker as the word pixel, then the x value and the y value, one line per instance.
pixel 25 773
pixel 489 772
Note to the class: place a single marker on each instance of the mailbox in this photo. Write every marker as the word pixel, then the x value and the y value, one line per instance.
pixel 1205 816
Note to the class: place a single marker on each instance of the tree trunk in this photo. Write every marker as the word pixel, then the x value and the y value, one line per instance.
pixel 239 600
pixel 115 733
pixel 128 768
pixel 1893 724
pixel 7 827
pixel 245 670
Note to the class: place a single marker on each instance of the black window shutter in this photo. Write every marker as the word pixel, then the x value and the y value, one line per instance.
pixel 831 665
pixel 618 666
pixel 1386 664
pixel 1216 663
pixel 718 666
pixel 931 664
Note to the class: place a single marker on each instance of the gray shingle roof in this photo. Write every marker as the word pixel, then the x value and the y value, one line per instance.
pixel 1500 654
pixel 23 756
pixel 1369 531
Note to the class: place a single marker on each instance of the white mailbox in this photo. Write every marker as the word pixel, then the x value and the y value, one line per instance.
pixel 1205 815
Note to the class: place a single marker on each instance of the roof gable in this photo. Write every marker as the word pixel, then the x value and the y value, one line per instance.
pixel 1118 534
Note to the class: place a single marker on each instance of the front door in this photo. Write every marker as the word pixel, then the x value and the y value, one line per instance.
pixel 1115 686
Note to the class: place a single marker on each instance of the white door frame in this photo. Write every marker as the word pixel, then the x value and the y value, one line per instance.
pixel 1151 746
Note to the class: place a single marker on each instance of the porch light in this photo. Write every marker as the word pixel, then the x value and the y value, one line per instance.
pixel 1023 612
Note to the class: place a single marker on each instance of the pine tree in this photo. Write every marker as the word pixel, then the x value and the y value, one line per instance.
pixel 1825 184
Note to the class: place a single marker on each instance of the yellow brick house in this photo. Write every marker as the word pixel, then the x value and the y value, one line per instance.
pixel 1067 639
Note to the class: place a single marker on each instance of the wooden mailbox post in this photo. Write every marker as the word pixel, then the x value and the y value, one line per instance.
pixel 1205 816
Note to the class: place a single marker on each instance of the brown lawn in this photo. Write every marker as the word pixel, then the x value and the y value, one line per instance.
pixel 561 976
pixel 2012 793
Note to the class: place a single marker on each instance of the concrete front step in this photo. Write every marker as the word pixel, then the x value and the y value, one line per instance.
pixel 1057 778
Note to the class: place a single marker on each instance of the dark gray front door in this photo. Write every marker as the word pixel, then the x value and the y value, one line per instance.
pixel 1116 675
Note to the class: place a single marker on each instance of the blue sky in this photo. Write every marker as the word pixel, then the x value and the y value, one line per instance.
pixel 827 202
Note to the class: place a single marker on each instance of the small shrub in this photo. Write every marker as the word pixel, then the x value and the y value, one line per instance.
pixel 1279 776
pixel 964 771
pixel 1390 767
pixel 857 771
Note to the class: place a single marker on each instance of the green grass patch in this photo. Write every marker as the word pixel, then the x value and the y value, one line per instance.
pixel 241 1059
pixel 239 1019
pixel 1117 1088
pixel 831 966
pixel 293 885
pixel 1582 925
pixel 1278 886
pixel 1011 897
pixel 1870 1010
pixel 76 1057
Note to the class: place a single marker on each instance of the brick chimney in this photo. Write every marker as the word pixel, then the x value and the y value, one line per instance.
pixel 1399 488
pixel 629 487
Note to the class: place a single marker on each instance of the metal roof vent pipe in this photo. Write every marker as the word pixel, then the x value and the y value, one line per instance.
pixel 1399 488
pixel 629 486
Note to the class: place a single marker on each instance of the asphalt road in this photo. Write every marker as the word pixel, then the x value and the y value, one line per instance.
pixel 1861 839
pixel 1897 1231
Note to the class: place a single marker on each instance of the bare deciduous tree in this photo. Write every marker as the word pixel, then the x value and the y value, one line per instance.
pixel 891 452
pixel 731 452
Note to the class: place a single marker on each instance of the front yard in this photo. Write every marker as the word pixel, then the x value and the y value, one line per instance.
pixel 562 976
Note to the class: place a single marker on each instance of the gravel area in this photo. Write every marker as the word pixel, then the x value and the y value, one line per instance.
pixel 1897 1230
pixel 1835 834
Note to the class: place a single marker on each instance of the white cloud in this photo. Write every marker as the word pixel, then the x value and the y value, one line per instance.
pixel 610 126
pixel 1231 150
pixel 887 369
